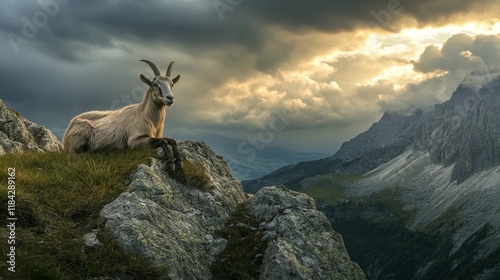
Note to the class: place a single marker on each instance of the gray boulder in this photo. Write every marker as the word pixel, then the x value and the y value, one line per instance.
pixel 17 134
pixel 172 224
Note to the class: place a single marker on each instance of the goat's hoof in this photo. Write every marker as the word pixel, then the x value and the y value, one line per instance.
pixel 169 166
pixel 178 163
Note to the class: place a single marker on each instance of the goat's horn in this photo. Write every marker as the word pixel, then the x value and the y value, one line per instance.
pixel 153 66
pixel 169 69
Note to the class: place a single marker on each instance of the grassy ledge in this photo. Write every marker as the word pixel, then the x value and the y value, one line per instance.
pixel 192 174
pixel 243 255
pixel 58 200
pixel 329 188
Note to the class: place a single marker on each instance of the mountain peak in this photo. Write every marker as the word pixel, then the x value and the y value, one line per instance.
pixel 465 129
pixel 485 78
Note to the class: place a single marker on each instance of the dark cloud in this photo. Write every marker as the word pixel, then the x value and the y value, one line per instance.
pixel 195 25
pixel 442 11
pixel 461 53
pixel 345 15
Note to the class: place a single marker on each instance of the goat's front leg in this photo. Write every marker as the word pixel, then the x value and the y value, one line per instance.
pixel 177 155
pixel 163 143
pixel 145 141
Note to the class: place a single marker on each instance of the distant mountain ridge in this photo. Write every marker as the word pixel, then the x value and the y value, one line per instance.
pixel 248 166
pixel 462 130
pixel 266 161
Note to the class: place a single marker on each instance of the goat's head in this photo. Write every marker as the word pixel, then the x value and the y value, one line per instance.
pixel 161 86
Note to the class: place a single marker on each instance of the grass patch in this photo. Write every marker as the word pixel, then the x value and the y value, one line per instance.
pixel 391 197
pixel 192 174
pixel 58 200
pixel 329 188
pixel 243 255
pixel 448 222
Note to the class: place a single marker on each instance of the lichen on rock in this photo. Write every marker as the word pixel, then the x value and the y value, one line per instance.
pixel 302 243
pixel 170 223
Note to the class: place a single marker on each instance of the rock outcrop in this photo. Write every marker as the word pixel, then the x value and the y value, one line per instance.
pixel 303 245
pixel 174 224
pixel 17 134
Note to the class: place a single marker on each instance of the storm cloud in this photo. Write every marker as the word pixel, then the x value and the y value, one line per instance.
pixel 332 66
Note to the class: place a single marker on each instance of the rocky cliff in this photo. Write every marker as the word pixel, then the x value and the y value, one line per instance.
pixel 446 184
pixel 173 220
pixel 171 223
pixel 17 134
pixel 176 225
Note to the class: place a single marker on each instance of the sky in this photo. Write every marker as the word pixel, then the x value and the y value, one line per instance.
pixel 307 75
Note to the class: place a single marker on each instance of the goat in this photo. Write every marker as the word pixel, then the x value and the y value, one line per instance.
pixel 134 126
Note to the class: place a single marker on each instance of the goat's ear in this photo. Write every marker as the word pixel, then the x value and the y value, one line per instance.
pixel 145 80
pixel 176 79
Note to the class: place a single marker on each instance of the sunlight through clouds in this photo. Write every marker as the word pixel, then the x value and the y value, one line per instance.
pixel 375 73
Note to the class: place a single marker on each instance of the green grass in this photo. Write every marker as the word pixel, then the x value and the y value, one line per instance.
pixel 448 222
pixel 330 188
pixel 391 197
pixel 58 200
